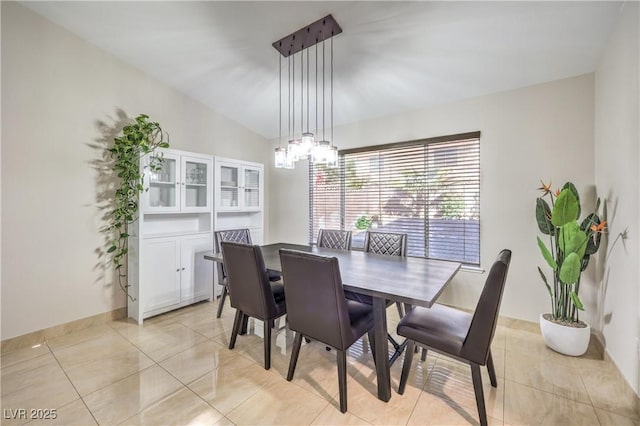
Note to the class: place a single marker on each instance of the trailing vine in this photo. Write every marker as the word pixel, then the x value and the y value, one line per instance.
pixel 138 139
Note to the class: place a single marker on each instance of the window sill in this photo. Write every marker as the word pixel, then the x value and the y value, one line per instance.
pixel 472 269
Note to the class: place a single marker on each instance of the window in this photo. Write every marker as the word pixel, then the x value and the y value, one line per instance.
pixel 428 189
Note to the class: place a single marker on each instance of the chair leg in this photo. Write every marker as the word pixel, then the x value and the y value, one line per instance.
pixel 342 379
pixel 223 297
pixel 244 325
pixel 267 345
pixel 295 351
pixel 408 357
pixel 393 342
pixel 372 345
pixel 492 371
pixel 477 387
pixel 237 323
pixel 423 357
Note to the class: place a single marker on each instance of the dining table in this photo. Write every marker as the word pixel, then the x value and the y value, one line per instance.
pixel 416 281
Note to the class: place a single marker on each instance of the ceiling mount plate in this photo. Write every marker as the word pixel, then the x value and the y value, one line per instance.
pixel 322 29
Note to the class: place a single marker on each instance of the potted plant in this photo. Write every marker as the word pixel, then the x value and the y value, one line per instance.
pixel 140 138
pixel 571 245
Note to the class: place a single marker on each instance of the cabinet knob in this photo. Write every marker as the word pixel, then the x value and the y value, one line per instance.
pixel 178 270
pixel 183 269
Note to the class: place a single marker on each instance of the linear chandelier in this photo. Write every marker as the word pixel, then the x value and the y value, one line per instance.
pixel 302 143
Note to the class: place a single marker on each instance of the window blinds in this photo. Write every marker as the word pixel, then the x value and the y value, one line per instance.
pixel 428 189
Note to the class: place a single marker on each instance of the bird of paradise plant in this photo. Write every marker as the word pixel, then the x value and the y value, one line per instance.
pixel 571 245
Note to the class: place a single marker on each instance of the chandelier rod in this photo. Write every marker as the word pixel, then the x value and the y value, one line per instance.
pixel 279 101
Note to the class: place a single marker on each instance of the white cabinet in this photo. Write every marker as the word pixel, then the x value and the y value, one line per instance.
pixel 239 200
pixel 182 185
pixel 195 272
pixel 239 185
pixel 166 265
pixel 160 265
pixel 169 265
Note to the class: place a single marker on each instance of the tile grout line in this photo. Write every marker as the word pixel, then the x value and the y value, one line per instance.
pixel 72 384
pixel 426 380
pixel 588 393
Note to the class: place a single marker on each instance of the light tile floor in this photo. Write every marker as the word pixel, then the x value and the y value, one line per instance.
pixel 176 369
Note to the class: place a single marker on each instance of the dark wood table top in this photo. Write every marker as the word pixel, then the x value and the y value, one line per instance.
pixel 413 280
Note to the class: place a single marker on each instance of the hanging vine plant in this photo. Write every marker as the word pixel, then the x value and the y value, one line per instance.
pixel 138 139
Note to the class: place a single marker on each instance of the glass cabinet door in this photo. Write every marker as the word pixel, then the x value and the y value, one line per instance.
pixel 195 188
pixel 251 187
pixel 163 185
pixel 229 186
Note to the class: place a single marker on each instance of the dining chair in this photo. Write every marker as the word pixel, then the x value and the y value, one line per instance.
pixel 458 334
pixel 236 236
pixel 251 293
pixel 318 309
pixel 334 239
pixel 392 244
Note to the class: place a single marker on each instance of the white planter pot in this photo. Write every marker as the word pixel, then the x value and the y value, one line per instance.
pixel 566 340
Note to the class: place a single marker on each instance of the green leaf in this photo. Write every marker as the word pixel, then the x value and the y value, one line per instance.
pixel 576 300
pixel 543 216
pixel 124 235
pixel 570 269
pixel 571 187
pixel 111 249
pixel 571 239
pixel 547 255
pixel 566 208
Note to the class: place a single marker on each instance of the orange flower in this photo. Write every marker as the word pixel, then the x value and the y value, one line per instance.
pixel 599 228
pixel 557 193
pixel 545 188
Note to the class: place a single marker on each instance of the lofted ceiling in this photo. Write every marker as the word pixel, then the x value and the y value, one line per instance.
pixel 391 57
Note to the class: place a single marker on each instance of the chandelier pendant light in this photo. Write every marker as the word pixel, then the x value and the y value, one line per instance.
pixel 305 145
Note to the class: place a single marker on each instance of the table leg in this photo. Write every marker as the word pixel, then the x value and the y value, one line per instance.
pixel 382 348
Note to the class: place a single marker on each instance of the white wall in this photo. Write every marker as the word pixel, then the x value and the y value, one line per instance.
pixel 539 132
pixel 617 164
pixel 55 87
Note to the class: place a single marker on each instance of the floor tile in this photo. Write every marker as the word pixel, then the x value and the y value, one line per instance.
pixel 182 407
pixel 121 400
pixel 452 381
pixel 231 384
pixel 607 418
pixel 72 414
pixel 97 347
pixel 362 400
pixel 193 363
pixel 434 409
pixel 279 403
pixel 609 391
pixel 331 415
pixel 524 405
pixel 37 383
pixel 546 374
pixel 80 336
pixel 24 354
pixel 100 370
pixel 161 341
